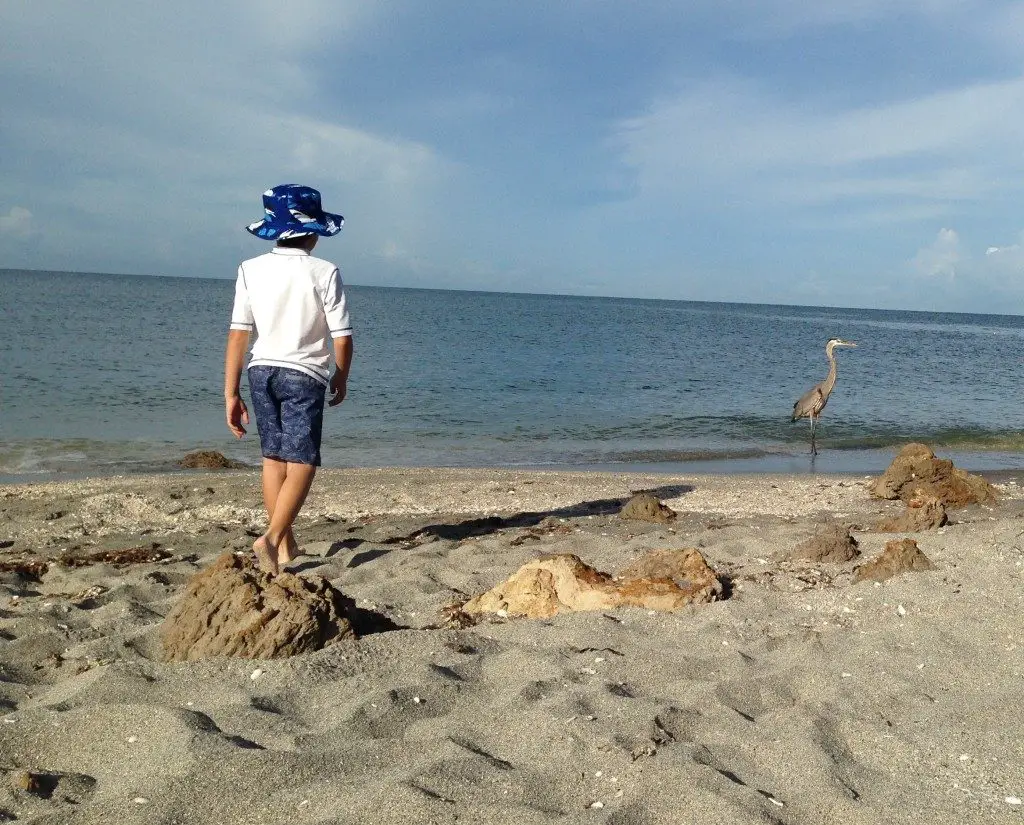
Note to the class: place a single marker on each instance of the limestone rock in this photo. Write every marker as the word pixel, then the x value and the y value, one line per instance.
pixel 664 594
pixel 209 460
pixel 899 556
pixel 647 507
pixel 916 472
pixel 232 608
pixel 546 586
pixel 922 513
pixel 687 569
pixel 832 544
pixel 563 583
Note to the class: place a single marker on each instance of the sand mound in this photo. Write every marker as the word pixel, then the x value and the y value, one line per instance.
pixel 832 544
pixel 916 471
pixel 923 513
pixel 233 609
pixel 647 507
pixel 899 556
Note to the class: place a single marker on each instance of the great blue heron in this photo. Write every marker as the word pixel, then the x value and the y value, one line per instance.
pixel 814 400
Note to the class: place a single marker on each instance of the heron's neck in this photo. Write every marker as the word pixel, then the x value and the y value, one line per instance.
pixel 830 381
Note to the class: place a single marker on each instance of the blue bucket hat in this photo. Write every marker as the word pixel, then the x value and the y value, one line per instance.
pixel 294 210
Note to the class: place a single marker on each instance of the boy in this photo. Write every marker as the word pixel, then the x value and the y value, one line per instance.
pixel 295 303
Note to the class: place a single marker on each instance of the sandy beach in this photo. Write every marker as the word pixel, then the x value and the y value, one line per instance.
pixel 801 697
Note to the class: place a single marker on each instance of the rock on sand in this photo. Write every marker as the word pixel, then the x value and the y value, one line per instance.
pixel 209 460
pixel 234 609
pixel 832 543
pixel 899 556
pixel 561 583
pixel 647 507
pixel 916 471
pixel 923 513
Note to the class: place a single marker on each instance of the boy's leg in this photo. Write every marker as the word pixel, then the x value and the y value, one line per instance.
pixel 301 400
pixel 274 472
pixel 267 408
pixel 290 498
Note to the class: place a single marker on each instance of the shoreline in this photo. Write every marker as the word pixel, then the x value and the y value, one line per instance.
pixel 20 462
pixel 838 463
pixel 802 697
pixel 993 475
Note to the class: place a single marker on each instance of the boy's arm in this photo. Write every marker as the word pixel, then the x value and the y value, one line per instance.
pixel 242 324
pixel 343 350
pixel 234 357
pixel 336 312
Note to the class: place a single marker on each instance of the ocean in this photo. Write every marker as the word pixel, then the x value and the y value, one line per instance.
pixel 105 374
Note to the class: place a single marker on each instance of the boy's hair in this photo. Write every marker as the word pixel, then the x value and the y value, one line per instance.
pixel 296 241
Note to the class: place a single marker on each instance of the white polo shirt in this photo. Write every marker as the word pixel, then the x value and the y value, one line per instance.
pixel 295 304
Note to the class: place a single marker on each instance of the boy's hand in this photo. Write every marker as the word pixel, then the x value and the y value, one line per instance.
pixel 338 388
pixel 237 415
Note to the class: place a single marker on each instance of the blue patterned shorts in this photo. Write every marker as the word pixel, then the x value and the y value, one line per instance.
pixel 289 407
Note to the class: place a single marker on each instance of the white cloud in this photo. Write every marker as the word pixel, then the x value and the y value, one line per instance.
pixel 177 135
pixel 1005 263
pixel 168 136
pixel 941 258
pixel 17 222
pixel 963 280
pixel 739 137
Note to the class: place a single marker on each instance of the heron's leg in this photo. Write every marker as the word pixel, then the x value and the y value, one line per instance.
pixel 814 448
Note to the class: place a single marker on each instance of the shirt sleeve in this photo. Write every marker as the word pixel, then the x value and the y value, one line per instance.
pixel 335 306
pixel 241 313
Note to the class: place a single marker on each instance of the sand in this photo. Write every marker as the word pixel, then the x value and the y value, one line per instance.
pixel 801 698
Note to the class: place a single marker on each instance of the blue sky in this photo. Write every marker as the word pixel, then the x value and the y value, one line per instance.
pixel 786 151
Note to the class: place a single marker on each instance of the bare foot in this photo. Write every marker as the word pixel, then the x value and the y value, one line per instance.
pixel 266 555
pixel 288 549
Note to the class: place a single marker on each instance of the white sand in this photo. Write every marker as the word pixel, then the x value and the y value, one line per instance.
pixel 801 699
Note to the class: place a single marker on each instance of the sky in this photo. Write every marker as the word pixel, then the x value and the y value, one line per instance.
pixel 863 154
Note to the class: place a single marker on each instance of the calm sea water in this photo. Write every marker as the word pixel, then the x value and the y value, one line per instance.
pixel 104 373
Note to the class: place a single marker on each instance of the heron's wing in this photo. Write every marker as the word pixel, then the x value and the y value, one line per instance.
pixel 822 399
pixel 810 403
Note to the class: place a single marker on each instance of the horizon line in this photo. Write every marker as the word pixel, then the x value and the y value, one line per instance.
pixel 535 294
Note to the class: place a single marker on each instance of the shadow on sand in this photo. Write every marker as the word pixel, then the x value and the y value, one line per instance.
pixel 475 527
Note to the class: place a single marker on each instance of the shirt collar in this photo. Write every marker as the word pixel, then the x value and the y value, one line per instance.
pixel 288 250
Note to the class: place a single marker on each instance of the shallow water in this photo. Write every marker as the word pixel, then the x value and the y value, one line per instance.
pixel 106 373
